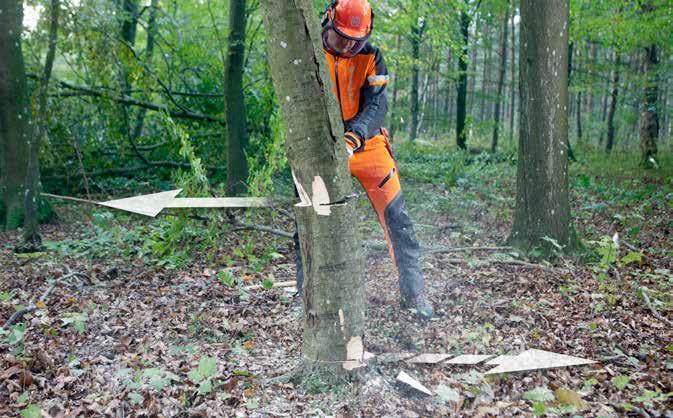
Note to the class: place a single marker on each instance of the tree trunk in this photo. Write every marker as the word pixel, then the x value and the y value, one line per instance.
pixel 512 109
pixel 416 33
pixel 14 113
pixel 542 205
pixel 613 105
pixel 578 98
pixel 31 231
pixel 333 290
pixel 149 52
pixel 485 74
pixel 649 117
pixel 395 83
pixel 461 99
pixel 234 101
pixel 501 82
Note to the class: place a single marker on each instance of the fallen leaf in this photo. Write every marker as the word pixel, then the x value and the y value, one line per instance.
pixel 570 397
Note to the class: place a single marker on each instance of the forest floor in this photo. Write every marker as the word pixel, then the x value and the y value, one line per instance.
pixel 159 323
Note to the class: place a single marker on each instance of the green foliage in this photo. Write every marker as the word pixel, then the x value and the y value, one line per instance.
pixel 76 319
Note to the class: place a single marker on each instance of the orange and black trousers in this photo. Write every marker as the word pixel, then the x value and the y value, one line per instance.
pixel 376 170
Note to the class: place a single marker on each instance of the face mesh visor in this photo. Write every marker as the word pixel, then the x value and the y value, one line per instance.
pixel 344 46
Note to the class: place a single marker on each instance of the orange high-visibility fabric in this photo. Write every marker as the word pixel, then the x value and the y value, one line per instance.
pixel 352 75
pixel 371 167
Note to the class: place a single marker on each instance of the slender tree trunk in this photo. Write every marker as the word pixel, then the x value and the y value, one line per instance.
pixel 485 74
pixel 31 231
pixel 333 290
pixel 395 83
pixel 149 52
pixel 578 99
pixel 234 101
pixel 571 154
pixel 14 113
pixel 542 205
pixel 501 82
pixel 613 104
pixel 649 117
pixel 512 107
pixel 461 99
pixel 416 34
pixel 604 111
pixel 592 97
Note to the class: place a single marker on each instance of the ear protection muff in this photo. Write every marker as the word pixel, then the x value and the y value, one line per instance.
pixel 325 15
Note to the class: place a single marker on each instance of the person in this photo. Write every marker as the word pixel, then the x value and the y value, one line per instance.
pixel 359 78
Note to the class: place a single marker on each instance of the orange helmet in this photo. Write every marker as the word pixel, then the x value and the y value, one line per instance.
pixel 352 20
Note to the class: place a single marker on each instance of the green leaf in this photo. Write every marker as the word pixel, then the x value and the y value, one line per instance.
pixel 446 394
pixel 32 411
pixel 538 394
pixel 239 372
pixel 539 408
pixel 17 334
pixel 571 398
pixel 23 397
pixel 631 257
pixel 267 283
pixel 252 403
pixel 207 367
pixel 205 387
pixel 135 398
pixel 194 376
pixel 620 382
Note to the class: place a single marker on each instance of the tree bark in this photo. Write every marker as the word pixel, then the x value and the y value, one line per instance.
pixel 578 100
pixel 542 203
pixel 614 96
pixel 31 231
pixel 14 112
pixel 461 99
pixel 333 292
pixel 501 82
pixel 234 98
pixel 649 117
pixel 416 35
pixel 512 109
pixel 395 86
pixel 149 52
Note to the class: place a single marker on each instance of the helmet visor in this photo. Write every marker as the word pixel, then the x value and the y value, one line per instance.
pixel 339 44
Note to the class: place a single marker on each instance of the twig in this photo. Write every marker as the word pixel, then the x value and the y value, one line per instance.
pixel 438 250
pixel 288 283
pixel 18 314
pixel 656 314
pixel 510 262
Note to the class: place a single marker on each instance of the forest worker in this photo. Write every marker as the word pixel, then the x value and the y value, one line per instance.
pixel 359 79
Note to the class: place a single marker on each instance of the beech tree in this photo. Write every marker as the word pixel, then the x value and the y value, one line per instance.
pixel 14 113
pixel 542 206
pixel 234 99
pixel 333 292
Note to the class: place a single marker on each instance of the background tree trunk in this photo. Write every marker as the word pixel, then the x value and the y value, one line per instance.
pixel 501 82
pixel 649 117
pixel 14 112
pixel 542 206
pixel 31 231
pixel 512 110
pixel 614 96
pixel 416 34
pixel 149 52
pixel 234 98
pixel 395 87
pixel 333 265
pixel 461 99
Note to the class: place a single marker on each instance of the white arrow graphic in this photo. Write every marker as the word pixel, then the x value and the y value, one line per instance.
pixel 153 204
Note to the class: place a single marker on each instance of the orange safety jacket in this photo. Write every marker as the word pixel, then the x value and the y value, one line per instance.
pixel 359 84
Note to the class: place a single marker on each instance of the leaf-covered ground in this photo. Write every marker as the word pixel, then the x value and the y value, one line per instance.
pixel 158 323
